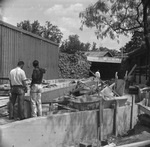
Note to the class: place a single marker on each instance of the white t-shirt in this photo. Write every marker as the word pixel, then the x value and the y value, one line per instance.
pixel 17 75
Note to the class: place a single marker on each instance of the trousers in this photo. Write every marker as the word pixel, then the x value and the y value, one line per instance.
pixel 36 105
pixel 17 93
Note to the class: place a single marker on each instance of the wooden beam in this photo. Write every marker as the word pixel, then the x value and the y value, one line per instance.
pixel 132 109
pixel 133 68
pixel 100 129
pixel 3 101
pixel 144 109
pixel 136 144
pixel 65 107
pixel 116 118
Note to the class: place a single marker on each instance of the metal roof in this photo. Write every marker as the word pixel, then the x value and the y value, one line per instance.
pixel 98 54
pixel 104 57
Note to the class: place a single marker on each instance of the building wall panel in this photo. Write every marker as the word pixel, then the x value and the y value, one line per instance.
pixel 17 44
pixel 1 52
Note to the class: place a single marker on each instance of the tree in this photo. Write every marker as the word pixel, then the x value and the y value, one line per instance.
pixel 25 25
pixel 36 28
pixel 87 46
pixel 73 44
pixel 51 32
pixel 114 17
pixel 94 48
pixel 136 42
pixel 48 31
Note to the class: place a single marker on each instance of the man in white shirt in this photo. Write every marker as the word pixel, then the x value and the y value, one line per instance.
pixel 18 89
pixel 97 74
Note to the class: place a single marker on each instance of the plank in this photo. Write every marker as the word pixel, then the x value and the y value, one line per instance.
pixel 143 108
pixel 116 118
pixel 136 144
pixel 132 108
pixel 133 68
pixel 3 101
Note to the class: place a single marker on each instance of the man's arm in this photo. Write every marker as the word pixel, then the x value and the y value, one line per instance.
pixel 43 70
pixel 24 81
pixel 10 79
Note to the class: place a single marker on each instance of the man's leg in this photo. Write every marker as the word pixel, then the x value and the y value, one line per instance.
pixel 12 102
pixel 33 104
pixel 21 106
pixel 39 104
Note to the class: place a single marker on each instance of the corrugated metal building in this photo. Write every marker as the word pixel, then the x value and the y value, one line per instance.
pixel 17 44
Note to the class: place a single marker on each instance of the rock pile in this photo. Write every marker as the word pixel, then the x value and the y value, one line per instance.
pixel 73 66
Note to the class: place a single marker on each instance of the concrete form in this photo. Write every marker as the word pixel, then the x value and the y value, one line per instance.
pixel 61 130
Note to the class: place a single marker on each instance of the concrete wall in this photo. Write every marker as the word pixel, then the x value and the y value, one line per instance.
pixel 52 131
pixel 61 130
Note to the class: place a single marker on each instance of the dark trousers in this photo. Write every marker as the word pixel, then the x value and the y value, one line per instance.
pixel 17 93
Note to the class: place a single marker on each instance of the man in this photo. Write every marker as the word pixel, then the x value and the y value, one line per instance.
pixel 98 76
pixel 36 89
pixel 18 89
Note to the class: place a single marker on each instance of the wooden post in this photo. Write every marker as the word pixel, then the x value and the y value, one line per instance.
pixel 147 98
pixel 100 131
pixel 139 71
pixel 132 111
pixel 116 118
pixel 101 119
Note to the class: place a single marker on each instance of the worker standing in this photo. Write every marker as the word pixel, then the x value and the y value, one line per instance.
pixel 18 89
pixel 98 76
pixel 36 89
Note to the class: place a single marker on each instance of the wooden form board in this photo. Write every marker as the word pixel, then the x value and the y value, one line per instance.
pixel 136 144
pixel 3 101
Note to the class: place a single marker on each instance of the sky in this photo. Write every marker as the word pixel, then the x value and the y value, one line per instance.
pixel 62 13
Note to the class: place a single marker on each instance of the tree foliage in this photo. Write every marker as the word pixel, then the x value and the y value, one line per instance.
pixel 73 44
pixel 49 31
pixel 114 17
pixel 136 42
pixel 94 48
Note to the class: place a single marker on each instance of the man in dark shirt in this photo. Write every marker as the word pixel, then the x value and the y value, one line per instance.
pixel 36 89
